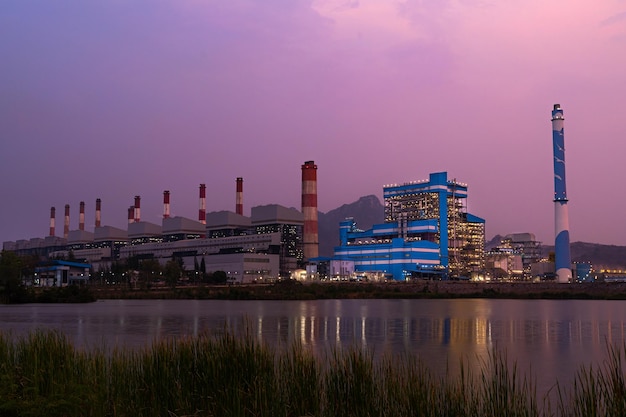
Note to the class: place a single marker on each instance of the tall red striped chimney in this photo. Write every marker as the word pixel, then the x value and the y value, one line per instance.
pixel 166 204
pixel 309 210
pixel 98 211
pixel 81 216
pixel 202 211
pixel 239 197
pixel 131 214
pixel 52 220
pixel 137 208
pixel 66 224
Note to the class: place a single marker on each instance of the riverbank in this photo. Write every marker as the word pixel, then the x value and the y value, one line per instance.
pixel 292 290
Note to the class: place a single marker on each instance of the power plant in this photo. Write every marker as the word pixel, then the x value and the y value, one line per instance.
pixel 427 233
pixel 267 245
pixel 562 258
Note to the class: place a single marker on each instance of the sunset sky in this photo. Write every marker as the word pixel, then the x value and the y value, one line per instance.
pixel 115 98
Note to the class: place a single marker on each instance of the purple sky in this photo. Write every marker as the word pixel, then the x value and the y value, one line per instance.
pixel 111 99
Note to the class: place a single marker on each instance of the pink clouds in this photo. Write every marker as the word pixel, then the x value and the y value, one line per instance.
pixel 117 99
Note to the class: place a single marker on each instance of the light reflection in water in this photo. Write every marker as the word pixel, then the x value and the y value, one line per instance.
pixel 552 337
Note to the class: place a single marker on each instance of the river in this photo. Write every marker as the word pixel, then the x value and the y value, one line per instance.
pixel 548 339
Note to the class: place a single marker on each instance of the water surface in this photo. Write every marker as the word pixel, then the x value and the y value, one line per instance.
pixel 550 338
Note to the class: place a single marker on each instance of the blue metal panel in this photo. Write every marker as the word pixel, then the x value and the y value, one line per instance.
pixel 443 220
pixel 558 145
pixel 474 219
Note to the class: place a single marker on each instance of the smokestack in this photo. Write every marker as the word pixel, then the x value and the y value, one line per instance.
pixel 52 220
pixel 166 204
pixel 131 214
pixel 137 208
pixel 239 197
pixel 98 211
pixel 66 224
pixel 81 216
pixel 562 258
pixel 202 211
pixel 309 210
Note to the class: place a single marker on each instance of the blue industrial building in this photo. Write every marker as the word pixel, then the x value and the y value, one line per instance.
pixel 427 233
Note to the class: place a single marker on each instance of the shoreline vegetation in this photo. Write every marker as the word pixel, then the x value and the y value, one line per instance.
pixel 294 290
pixel 231 374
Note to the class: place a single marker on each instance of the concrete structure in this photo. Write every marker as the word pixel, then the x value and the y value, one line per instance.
pixel 309 210
pixel 514 245
pixel 144 232
pixel 226 223
pixel 561 218
pixel 288 222
pixel 180 228
pixel 504 264
pixel 427 233
pixel 244 258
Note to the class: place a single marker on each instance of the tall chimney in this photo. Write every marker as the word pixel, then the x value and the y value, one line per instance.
pixel 81 216
pixel 166 204
pixel 137 208
pixel 98 211
pixel 562 258
pixel 131 214
pixel 202 211
pixel 66 224
pixel 52 220
pixel 309 210
pixel 239 197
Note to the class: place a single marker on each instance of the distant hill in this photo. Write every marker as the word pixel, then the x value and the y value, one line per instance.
pixel 366 211
pixel 601 256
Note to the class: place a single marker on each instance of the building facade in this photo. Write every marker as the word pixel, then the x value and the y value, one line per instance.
pixel 427 233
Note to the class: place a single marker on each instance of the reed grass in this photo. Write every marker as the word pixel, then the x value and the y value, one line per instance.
pixel 234 375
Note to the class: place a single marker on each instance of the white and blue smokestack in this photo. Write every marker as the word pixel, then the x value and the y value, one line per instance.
pixel 562 258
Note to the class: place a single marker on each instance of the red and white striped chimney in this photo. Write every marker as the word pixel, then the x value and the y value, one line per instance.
pixel 66 224
pixel 98 211
pixel 52 220
pixel 131 214
pixel 137 208
pixel 166 204
pixel 81 216
pixel 309 210
pixel 202 211
pixel 239 197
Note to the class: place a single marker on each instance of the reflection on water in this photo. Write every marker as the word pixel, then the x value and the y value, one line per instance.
pixel 550 337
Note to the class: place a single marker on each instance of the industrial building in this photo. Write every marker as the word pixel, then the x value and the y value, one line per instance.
pixel 513 258
pixel 267 245
pixel 427 233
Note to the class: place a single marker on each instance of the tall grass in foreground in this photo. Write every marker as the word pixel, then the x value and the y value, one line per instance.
pixel 229 375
